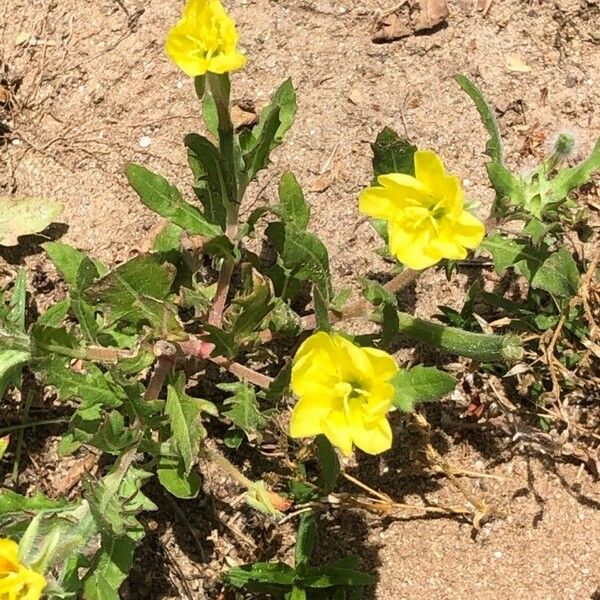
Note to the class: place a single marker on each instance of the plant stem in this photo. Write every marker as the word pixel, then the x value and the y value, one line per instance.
pixel 243 372
pixel 165 358
pixel 20 426
pixel 218 305
pixel 226 465
pixel 478 346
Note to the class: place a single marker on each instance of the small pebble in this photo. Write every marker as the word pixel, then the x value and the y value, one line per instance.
pixel 145 141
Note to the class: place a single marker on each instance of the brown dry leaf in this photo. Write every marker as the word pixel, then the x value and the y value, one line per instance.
pixel 77 470
pixel 322 183
pixel 432 13
pixel 515 64
pixel 391 28
pixel 243 116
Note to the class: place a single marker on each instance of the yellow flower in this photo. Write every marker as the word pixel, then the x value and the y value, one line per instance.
pixel 204 40
pixel 425 214
pixel 344 393
pixel 17 582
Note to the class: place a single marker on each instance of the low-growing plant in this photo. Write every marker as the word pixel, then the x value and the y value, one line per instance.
pixel 130 347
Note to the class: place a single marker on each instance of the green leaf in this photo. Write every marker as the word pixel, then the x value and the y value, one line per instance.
pixel 172 474
pixel 260 572
pixel 11 363
pixel 210 181
pixel 296 593
pixel 567 180
pixel 504 182
pixel 275 120
pixel 166 200
pixel 109 569
pixel 555 272
pixel 376 294
pixel 15 317
pixel 12 503
pixel 223 340
pixel 136 292
pixel 420 384
pixel 330 465
pixel 249 310
pixel 306 257
pixel 292 206
pixel 56 314
pixel 245 411
pixel 183 412
pixel 280 384
pixel 210 115
pixel 168 239
pixel 258 157
pixel 25 217
pixel 77 269
pixel 306 539
pixel 558 275
pixel 330 576
pixel 392 154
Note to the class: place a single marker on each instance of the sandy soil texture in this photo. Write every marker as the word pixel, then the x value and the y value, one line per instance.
pixel 92 90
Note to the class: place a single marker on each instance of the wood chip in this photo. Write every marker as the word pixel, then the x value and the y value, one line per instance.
pixel 432 13
pixel 515 64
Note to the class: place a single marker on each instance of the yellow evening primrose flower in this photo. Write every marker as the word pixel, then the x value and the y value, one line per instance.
pixel 17 582
pixel 204 40
pixel 426 217
pixel 344 393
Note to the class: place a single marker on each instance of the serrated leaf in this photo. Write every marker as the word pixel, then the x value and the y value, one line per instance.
pixel 56 314
pixel 210 181
pixel 136 292
pixel 376 294
pixel 223 340
pixel 306 257
pixel 12 503
pixel 77 269
pixel 567 180
pixel 275 120
pixel 183 413
pixel 392 154
pixel 245 411
pixel 109 568
pixel 25 217
pixel 292 206
pixel 420 384
pixel 504 182
pixel 558 274
pixel 305 539
pixel 555 272
pixel 166 200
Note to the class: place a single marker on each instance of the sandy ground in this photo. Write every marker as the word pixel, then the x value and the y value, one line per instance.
pixel 95 86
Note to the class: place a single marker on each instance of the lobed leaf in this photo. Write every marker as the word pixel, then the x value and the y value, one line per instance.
pixel 420 384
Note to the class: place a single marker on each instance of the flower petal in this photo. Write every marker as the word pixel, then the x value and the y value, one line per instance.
pixel 377 202
pixel 469 230
pixel 314 369
pixel 405 189
pixel 429 170
pixel 374 437
pixel 308 414
pixel 383 364
pixel 335 427
pixel 409 247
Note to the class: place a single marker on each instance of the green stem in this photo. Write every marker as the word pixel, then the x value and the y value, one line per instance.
pixel 220 88
pixel 478 346
pixel 20 426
